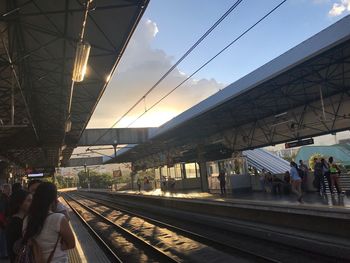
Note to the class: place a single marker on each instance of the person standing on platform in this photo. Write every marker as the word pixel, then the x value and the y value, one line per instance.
pixel 319 179
pixel 50 230
pixel 4 209
pixel 60 208
pixel 296 181
pixel 304 171
pixel 262 180
pixel 222 179
pixel 327 174
pixel 268 182
pixel 138 182
pixel 334 173
pixel 19 207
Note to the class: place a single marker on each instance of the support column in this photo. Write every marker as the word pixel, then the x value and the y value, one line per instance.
pixel 202 168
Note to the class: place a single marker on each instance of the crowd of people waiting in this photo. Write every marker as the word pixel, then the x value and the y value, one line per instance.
pixel 34 225
pixel 296 179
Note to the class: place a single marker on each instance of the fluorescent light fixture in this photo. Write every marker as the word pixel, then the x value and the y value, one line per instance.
pixel 281 114
pixel 68 125
pixel 108 78
pixel 280 123
pixel 35 175
pixel 81 59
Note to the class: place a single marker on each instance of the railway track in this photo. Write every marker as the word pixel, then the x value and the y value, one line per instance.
pixel 175 241
pixel 258 250
pixel 119 243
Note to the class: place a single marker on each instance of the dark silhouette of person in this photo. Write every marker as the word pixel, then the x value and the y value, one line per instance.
pixel 222 179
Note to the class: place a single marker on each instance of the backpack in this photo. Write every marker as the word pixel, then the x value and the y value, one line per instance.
pixel 30 251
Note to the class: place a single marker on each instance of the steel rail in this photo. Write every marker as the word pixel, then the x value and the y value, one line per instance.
pixel 102 243
pixel 194 236
pixel 138 239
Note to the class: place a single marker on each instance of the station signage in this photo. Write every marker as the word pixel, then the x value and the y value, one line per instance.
pixel 39 172
pixel 299 143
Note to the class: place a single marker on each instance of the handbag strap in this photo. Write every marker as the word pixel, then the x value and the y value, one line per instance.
pixel 53 251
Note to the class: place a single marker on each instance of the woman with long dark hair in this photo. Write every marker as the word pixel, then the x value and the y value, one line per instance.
pixel 18 208
pixel 50 230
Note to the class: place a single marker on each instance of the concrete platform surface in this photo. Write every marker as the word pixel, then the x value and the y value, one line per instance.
pixel 311 200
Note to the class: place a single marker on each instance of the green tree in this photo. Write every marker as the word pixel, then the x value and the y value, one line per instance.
pixel 97 180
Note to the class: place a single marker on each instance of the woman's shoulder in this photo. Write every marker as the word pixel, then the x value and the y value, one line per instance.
pixel 54 220
pixel 55 216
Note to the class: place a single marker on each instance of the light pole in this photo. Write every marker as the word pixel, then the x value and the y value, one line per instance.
pixel 115 144
pixel 88 175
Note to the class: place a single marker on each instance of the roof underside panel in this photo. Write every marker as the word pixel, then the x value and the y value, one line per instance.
pixel 41 37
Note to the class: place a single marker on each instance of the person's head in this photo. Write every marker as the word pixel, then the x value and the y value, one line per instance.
pixel 33 185
pixel 293 164
pixel 330 159
pixel 44 201
pixel 20 201
pixel 16 187
pixel 300 161
pixel 6 189
pixel 287 173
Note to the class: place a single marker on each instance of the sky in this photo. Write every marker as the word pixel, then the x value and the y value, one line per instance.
pixel 168 28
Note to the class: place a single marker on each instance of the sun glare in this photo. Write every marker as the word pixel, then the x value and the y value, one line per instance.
pixel 151 119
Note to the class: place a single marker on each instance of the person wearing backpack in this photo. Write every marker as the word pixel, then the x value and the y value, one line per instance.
pixel 47 235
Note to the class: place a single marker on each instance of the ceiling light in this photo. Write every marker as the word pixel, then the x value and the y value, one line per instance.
pixel 108 78
pixel 68 125
pixel 81 59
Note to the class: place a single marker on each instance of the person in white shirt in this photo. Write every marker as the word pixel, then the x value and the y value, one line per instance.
pixel 50 230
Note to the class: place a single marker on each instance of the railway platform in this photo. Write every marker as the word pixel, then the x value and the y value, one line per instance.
pixel 311 200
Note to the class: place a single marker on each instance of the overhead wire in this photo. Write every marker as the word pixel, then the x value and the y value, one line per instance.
pixel 208 61
pixel 234 6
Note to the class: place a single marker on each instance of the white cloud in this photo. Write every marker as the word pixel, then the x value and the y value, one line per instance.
pixel 339 8
pixel 141 66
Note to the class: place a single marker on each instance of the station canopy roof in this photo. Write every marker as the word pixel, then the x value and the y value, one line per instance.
pixel 278 102
pixel 38 42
